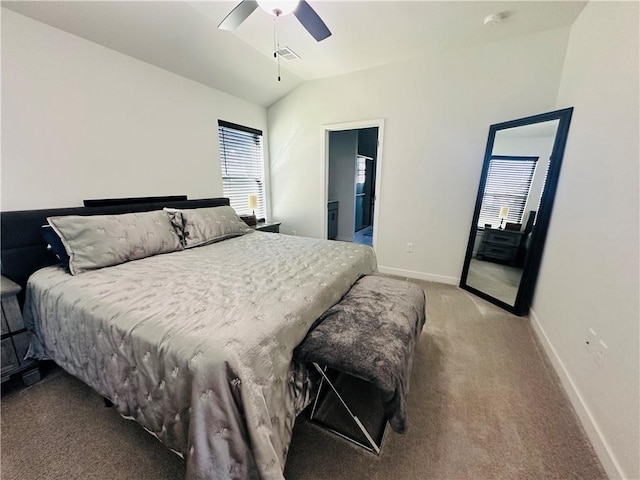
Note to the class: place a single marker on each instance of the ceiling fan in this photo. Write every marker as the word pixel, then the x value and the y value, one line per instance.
pixel 307 16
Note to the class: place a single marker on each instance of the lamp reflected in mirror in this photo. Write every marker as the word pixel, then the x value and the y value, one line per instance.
pixel 513 208
pixel 504 213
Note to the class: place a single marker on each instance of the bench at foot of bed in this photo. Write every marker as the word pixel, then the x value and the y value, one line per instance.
pixel 370 337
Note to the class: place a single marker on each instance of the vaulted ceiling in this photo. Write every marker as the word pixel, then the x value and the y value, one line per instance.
pixel 182 36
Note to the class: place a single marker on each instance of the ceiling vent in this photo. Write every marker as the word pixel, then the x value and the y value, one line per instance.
pixel 287 53
pixel 496 18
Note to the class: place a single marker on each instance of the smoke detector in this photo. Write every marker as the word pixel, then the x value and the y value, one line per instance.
pixel 496 18
pixel 287 53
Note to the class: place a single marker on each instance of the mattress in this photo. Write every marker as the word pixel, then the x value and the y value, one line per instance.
pixel 197 345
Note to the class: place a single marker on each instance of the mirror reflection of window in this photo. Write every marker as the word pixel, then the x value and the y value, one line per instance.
pixel 544 184
pixel 506 190
pixel 534 140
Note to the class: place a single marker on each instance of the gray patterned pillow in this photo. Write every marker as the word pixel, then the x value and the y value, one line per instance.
pixel 200 226
pixel 98 241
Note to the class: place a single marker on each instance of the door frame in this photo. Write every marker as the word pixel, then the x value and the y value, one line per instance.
pixel 355 125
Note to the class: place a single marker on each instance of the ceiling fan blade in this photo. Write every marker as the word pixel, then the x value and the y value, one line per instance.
pixel 311 21
pixel 238 15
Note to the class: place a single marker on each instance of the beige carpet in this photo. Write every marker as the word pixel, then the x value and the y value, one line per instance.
pixel 484 404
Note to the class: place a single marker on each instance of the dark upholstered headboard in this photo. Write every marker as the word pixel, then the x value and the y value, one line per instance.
pixel 23 249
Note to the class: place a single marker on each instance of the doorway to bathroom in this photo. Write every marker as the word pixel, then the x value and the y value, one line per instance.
pixel 353 170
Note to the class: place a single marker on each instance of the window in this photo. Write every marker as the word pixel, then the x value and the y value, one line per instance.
pixel 544 185
pixel 242 164
pixel 508 183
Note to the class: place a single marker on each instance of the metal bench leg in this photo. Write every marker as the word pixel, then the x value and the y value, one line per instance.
pixel 364 431
pixel 315 401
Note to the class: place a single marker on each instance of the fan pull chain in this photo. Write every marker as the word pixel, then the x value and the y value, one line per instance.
pixel 278 64
pixel 275 54
pixel 277 45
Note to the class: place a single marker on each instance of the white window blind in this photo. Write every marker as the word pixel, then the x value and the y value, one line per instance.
pixel 242 164
pixel 508 183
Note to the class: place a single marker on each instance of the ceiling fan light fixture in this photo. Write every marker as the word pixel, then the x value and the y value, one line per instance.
pixel 305 14
pixel 278 8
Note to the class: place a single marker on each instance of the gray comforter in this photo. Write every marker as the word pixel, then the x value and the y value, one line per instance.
pixel 197 345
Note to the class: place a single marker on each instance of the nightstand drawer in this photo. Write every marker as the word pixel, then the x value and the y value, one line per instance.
pixel 503 237
pixel 11 316
pixel 5 325
pixel 9 357
pixel 15 341
pixel 500 252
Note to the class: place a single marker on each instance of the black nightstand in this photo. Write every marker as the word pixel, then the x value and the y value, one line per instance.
pixel 15 339
pixel 501 245
pixel 273 227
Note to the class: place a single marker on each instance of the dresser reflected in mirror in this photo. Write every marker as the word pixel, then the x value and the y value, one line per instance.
pixel 513 208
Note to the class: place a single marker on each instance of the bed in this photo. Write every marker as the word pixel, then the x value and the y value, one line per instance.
pixel 196 345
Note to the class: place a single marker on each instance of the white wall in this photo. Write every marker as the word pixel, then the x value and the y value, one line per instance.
pixel 590 269
pixel 343 149
pixel 437 113
pixel 82 121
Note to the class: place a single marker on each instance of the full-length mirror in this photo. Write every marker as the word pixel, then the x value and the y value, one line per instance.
pixel 513 208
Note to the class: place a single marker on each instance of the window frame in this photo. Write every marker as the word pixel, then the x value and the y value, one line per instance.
pixel 241 205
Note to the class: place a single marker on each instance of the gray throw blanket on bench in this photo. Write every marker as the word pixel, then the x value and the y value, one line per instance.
pixel 371 334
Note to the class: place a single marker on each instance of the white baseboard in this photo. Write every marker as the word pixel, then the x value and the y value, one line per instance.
pixel 419 275
pixel 600 445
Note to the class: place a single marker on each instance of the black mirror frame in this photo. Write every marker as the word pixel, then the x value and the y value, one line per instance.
pixel 539 233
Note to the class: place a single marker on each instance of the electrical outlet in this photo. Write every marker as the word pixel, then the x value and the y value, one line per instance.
pixel 293 232
pixel 590 340
pixel 409 248
pixel 601 352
